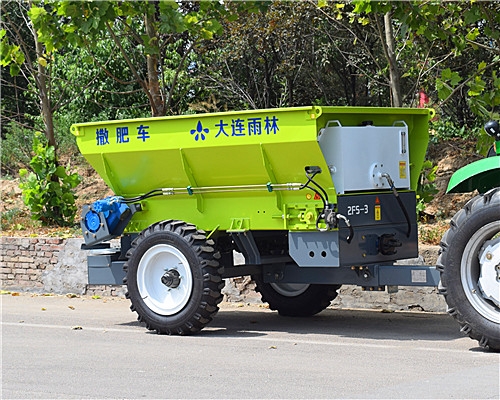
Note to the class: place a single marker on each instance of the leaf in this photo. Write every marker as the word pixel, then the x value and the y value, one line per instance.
pixel 36 13
pixel 472 15
pixel 473 34
pixel 42 61
pixel 476 87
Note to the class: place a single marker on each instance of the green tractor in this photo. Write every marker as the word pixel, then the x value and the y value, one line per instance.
pixel 470 250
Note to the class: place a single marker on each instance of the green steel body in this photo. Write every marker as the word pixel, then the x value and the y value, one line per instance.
pixel 244 154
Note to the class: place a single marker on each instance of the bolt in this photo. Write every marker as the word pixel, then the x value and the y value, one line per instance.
pixel 489 256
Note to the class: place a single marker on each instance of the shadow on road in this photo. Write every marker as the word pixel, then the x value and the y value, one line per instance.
pixel 344 323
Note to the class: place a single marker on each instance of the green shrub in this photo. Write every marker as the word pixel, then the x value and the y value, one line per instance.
pixel 48 189
pixel 426 188
pixel 8 219
pixel 445 129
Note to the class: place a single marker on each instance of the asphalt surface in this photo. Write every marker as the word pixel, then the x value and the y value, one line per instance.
pixel 81 348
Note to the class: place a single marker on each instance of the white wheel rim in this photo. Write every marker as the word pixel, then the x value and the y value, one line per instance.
pixel 160 298
pixel 489 280
pixel 290 289
pixel 470 271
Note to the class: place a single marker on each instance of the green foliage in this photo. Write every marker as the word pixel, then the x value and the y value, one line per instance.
pixel 445 129
pixel 10 55
pixel 48 189
pixel 16 149
pixel 426 188
pixel 141 32
pixel 449 48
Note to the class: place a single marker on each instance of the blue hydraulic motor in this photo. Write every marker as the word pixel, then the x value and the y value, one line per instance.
pixel 105 219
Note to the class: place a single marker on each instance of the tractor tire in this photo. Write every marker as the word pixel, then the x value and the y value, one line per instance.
pixel 295 300
pixel 469 263
pixel 173 278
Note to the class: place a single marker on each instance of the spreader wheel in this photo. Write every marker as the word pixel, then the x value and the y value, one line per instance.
pixel 296 300
pixel 173 278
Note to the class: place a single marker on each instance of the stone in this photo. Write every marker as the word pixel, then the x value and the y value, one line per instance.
pixel 69 274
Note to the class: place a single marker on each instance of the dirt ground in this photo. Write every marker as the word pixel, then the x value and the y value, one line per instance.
pixel 449 156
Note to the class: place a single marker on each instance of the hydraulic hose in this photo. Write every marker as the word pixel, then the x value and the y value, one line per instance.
pixel 396 194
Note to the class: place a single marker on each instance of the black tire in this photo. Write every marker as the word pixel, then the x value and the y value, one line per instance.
pixel 469 282
pixel 173 278
pixel 296 300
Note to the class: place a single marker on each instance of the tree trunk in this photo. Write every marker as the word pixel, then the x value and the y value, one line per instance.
pixel 41 82
pixel 394 82
pixel 156 99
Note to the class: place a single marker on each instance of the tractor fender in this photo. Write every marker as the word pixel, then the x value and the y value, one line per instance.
pixel 482 175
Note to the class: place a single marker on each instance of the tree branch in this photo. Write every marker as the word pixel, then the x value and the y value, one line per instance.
pixel 129 63
pixel 470 78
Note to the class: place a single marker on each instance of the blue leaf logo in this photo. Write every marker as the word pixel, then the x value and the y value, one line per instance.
pixel 199 132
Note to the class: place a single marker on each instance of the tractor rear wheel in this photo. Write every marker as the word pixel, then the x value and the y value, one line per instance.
pixel 470 269
pixel 295 300
pixel 173 278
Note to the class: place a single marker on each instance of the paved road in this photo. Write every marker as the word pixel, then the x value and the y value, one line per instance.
pixel 247 352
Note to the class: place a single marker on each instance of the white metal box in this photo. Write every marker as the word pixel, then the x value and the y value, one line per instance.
pixel 359 157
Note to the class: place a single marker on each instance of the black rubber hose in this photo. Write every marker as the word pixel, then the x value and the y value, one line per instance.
pixel 400 202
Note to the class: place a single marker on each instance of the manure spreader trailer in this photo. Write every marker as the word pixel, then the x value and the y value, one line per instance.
pixel 313 197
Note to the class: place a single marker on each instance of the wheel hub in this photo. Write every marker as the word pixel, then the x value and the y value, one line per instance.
pixel 489 280
pixel 171 279
pixel 290 289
